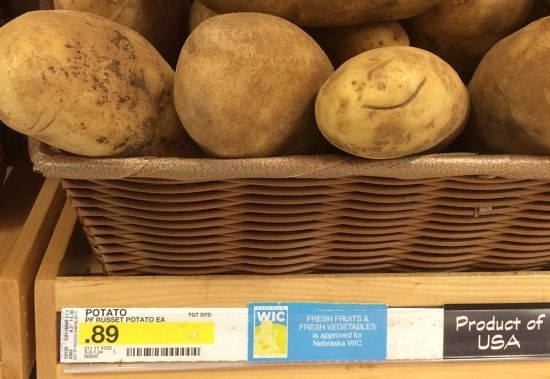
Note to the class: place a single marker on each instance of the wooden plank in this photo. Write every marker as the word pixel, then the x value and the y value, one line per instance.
pixel 27 251
pixel 447 370
pixel 44 294
pixel 395 289
pixel 17 197
pixel 21 218
pixel 18 280
pixel 392 289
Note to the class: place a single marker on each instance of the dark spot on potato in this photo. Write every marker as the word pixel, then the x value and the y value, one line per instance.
pixel 75 71
pixel 395 37
pixel 375 148
pixel 102 140
pixel 137 80
pixel 83 126
pixel 381 86
pixel 165 99
pixel 98 84
pixel 389 135
pixel 121 144
pixel 358 87
pixel 149 123
pixel 122 42
pixel 64 72
pixel 430 125
pixel 114 66
pixel 341 126
pixel 127 101
pixel 342 105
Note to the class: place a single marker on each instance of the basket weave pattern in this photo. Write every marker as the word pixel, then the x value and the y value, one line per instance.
pixel 350 224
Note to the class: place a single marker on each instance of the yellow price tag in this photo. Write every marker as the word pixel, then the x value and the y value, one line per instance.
pixel 146 333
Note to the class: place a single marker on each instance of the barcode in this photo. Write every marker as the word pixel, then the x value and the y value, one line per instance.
pixel 163 351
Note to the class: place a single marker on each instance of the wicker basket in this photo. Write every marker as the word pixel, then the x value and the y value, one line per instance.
pixel 446 212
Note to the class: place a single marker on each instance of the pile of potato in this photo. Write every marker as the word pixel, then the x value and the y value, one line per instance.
pixel 376 79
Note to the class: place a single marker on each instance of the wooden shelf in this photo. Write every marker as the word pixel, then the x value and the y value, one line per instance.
pixel 29 209
pixel 62 283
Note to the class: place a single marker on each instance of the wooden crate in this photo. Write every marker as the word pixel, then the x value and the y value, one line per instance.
pixel 29 208
pixel 69 279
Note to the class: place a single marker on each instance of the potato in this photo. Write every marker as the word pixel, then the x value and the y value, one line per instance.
pixel 162 22
pixel 345 42
pixel 392 102
pixel 245 86
pixel 461 32
pixel 198 13
pixel 327 12
pixel 510 93
pixel 86 85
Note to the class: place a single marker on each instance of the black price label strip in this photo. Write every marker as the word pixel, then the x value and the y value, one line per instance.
pixel 496 331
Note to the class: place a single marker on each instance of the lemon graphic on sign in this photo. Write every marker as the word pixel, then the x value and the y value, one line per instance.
pixel 270 340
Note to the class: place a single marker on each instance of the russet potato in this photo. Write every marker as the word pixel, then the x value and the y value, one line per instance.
pixel 198 13
pixel 461 32
pixel 510 93
pixel 245 86
pixel 161 22
pixel 327 12
pixel 87 85
pixel 344 42
pixel 392 102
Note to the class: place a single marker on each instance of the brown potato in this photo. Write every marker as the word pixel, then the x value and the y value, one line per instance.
pixel 86 85
pixel 461 32
pixel 246 84
pixel 511 94
pixel 327 12
pixel 198 13
pixel 162 22
pixel 345 42
pixel 392 102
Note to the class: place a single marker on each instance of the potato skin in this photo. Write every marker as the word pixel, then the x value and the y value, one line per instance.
pixel 245 86
pixel 198 13
pixel 345 42
pixel 319 13
pixel 510 93
pixel 392 102
pixel 161 22
pixel 86 85
pixel 461 32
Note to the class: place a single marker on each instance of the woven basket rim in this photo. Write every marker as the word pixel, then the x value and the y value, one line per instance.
pixel 52 163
